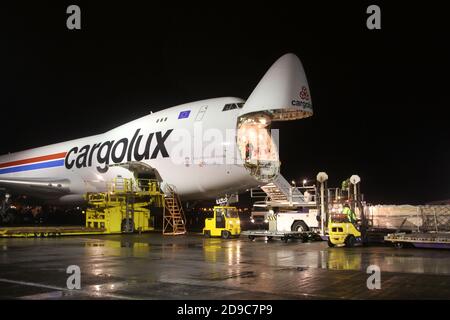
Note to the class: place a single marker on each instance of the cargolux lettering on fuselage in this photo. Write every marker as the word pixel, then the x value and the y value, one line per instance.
pixel 117 151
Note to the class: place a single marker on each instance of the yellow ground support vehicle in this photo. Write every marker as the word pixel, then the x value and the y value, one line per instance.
pixel 125 208
pixel 225 223
pixel 118 213
pixel 342 232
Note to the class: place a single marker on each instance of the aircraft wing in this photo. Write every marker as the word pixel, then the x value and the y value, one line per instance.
pixel 45 187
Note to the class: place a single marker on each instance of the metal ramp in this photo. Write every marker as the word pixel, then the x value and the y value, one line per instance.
pixel 173 218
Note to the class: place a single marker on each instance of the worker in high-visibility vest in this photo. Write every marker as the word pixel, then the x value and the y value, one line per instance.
pixel 349 213
pixel 345 185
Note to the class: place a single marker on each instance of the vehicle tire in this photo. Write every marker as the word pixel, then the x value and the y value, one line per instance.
pixel 399 245
pixel 207 234
pixel 330 244
pixel 350 241
pixel 251 238
pixel 299 226
pixel 226 234
pixel 269 238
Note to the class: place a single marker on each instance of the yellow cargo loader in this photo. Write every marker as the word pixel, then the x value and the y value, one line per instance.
pixel 125 208
pixel 342 232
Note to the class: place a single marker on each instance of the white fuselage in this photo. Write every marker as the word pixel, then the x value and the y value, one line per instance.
pixel 156 136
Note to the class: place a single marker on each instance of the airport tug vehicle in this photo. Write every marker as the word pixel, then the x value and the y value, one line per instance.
pixel 225 223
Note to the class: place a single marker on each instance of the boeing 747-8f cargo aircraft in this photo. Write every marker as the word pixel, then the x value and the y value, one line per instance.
pixel 206 149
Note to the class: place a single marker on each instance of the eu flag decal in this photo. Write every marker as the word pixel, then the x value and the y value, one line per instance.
pixel 184 114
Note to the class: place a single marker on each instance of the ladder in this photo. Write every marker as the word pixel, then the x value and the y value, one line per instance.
pixel 173 218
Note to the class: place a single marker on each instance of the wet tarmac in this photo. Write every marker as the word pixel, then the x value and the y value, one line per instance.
pixel 150 266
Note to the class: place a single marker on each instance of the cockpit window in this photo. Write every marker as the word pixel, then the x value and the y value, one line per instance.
pixel 230 106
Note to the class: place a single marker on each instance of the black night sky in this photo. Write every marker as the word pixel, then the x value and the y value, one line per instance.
pixel 380 97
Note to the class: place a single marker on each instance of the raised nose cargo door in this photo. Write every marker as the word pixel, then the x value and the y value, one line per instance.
pixel 283 92
pixel 281 95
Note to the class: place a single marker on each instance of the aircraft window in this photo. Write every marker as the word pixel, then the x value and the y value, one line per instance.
pixel 157 120
pixel 165 119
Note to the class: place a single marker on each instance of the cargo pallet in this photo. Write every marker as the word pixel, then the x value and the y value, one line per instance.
pixel 44 232
pixel 435 240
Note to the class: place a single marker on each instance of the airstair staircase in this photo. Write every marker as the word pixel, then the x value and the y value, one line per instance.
pixel 174 222
pixel 281 191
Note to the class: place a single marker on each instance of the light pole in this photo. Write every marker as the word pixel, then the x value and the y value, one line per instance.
pixel 322 177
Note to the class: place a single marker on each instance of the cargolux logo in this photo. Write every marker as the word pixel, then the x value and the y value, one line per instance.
pixel 304 100
pixel 304 95
pixel 118 151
